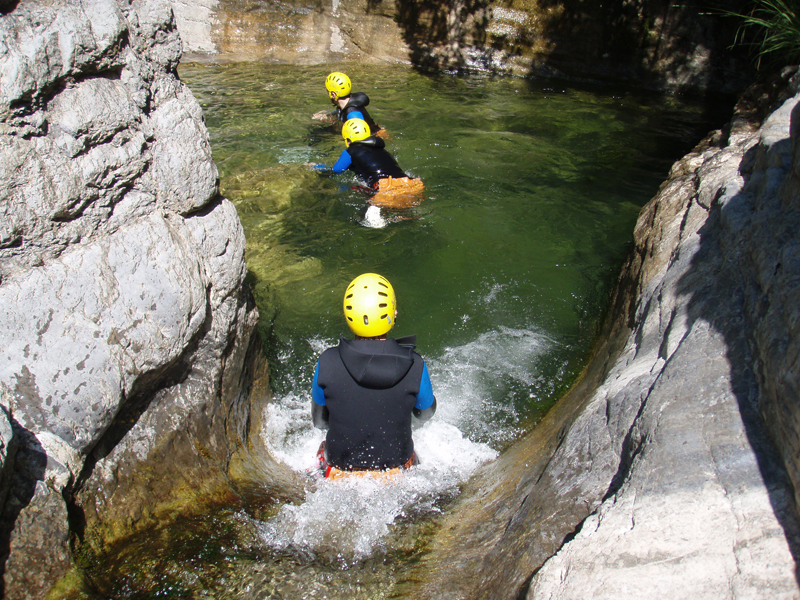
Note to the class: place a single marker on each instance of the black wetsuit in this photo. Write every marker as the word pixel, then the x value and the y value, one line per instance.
pixel 371 389
pixel 357 103
pixel 371 161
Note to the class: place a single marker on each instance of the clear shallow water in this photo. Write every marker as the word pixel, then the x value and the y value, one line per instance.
pixel 503 271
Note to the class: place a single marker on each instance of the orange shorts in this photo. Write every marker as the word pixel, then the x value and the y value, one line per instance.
pixel 334 473
pixel 331 472
pixel 402 192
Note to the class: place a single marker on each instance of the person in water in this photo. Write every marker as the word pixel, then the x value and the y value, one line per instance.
pixel 367 157
pixel 347 104
pixel 365 391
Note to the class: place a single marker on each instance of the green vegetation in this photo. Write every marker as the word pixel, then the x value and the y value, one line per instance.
pixel 773 28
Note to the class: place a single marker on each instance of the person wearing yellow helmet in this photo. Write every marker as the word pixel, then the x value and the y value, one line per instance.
pixel 367 157
pixel 365 391
pixel 348 104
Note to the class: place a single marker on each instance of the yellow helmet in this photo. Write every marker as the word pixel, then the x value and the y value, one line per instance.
pixel 355 130
pixel 339 84
pixel 370 305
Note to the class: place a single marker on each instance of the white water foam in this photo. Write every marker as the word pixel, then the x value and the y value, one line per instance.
pixel 352 517
pixel 373 218
pixel 468 377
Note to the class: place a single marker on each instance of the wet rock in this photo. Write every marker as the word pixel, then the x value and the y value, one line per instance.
pixel 128 334
pixel 653 43
pixel 671 469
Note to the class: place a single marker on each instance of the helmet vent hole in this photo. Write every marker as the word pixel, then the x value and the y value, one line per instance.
pixel 384 294
pixel 366 320
pixel 383 305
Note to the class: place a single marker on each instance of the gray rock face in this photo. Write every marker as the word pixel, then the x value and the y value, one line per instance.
pixel 671 470
pixel 124 320
pixel 703 507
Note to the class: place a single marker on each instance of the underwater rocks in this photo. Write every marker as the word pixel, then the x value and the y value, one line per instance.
pixel 126 328
pixel 671 469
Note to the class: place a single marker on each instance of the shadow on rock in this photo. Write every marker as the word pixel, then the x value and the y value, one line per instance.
pixel 438 34
pixel 736 284
pixel 23 470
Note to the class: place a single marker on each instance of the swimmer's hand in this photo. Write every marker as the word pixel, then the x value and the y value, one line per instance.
pixel 319 167
pixel 323 115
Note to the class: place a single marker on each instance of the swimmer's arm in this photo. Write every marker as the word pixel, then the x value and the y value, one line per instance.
pixel 359 115
pixel 425 407
pixel 340 166
pixel 424 415
pixel 320 416
pixel 319 412
pixel 343 162
pixel 324 115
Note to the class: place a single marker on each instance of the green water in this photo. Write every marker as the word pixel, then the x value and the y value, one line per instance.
pixel 503 271
pixel 532 190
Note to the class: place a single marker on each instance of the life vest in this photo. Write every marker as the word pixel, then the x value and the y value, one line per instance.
pixel 358 102
pixel 371 161
pixel 370 388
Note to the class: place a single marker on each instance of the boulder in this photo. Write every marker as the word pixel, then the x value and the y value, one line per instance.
pixel 128 332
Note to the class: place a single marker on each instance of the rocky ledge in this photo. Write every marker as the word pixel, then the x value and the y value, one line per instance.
pixel 655 43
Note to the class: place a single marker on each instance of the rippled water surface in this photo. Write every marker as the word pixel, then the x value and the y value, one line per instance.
pixel 503 271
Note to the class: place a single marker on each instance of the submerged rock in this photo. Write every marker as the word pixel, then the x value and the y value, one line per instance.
pixel 127 331
pixel 664 472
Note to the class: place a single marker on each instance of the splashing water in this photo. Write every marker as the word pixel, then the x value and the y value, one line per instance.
pixel 350 518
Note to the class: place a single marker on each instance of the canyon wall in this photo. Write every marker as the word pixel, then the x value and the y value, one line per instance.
pixel 127 331
pixel 127 375
pixel 652 43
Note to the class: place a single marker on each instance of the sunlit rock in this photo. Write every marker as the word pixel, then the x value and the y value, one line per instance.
pixel 654 43
pixel 128 335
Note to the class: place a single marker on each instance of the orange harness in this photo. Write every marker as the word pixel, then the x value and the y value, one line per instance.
pixel 400 192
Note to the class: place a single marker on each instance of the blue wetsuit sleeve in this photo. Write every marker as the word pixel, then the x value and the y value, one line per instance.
pixel 425 397
pixel 355 115
pixel 343 162
pixel 317 395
